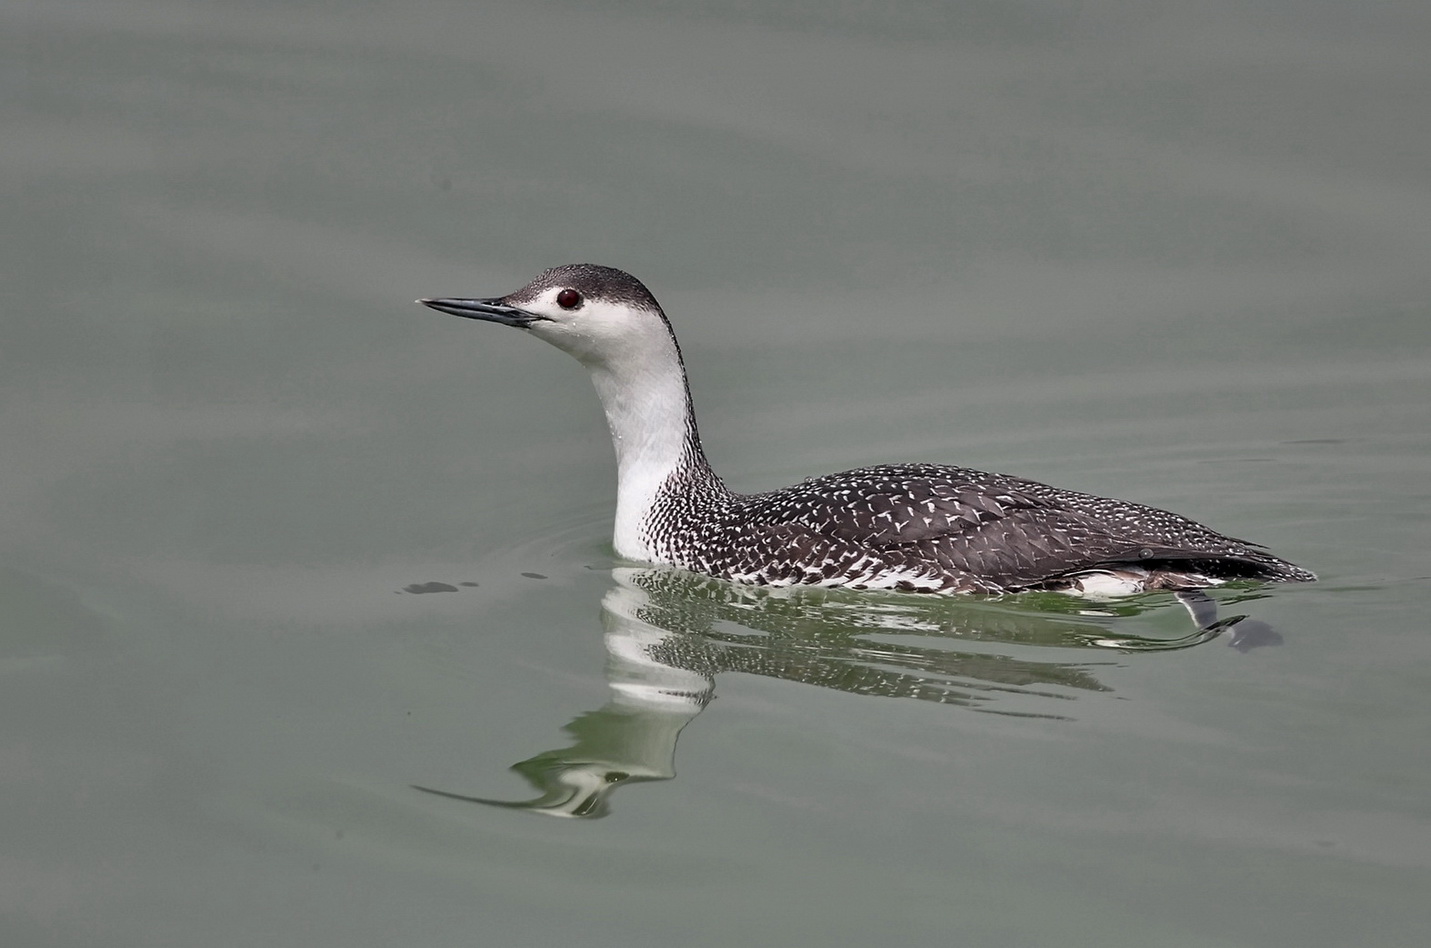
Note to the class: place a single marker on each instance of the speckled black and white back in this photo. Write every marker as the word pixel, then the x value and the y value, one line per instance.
pixel 931 528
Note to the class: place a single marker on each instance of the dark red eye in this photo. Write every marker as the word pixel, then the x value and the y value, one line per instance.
pixel 568 299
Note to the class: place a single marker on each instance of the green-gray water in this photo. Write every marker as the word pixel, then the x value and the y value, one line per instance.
pixel 281 547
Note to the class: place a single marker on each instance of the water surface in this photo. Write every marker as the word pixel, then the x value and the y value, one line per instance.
pixel 282 547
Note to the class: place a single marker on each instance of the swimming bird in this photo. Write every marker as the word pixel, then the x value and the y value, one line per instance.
pixel 909 527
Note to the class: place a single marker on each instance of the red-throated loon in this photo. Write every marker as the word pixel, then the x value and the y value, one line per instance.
pixel 908 527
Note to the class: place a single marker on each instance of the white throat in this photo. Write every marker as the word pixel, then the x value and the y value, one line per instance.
pixel 644 395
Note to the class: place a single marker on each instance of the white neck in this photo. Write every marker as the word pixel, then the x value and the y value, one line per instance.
pixel 644 395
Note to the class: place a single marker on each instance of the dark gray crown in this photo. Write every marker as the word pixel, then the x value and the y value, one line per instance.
pixel 592 282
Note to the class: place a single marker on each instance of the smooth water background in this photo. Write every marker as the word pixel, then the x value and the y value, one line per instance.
pixel 1179 253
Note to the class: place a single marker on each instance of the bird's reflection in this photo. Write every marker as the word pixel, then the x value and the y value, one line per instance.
pixel 669 634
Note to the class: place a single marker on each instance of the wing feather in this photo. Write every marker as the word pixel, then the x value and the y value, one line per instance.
pixel 1004 530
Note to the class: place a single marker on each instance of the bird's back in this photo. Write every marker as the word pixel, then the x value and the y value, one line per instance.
pixel 925 527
